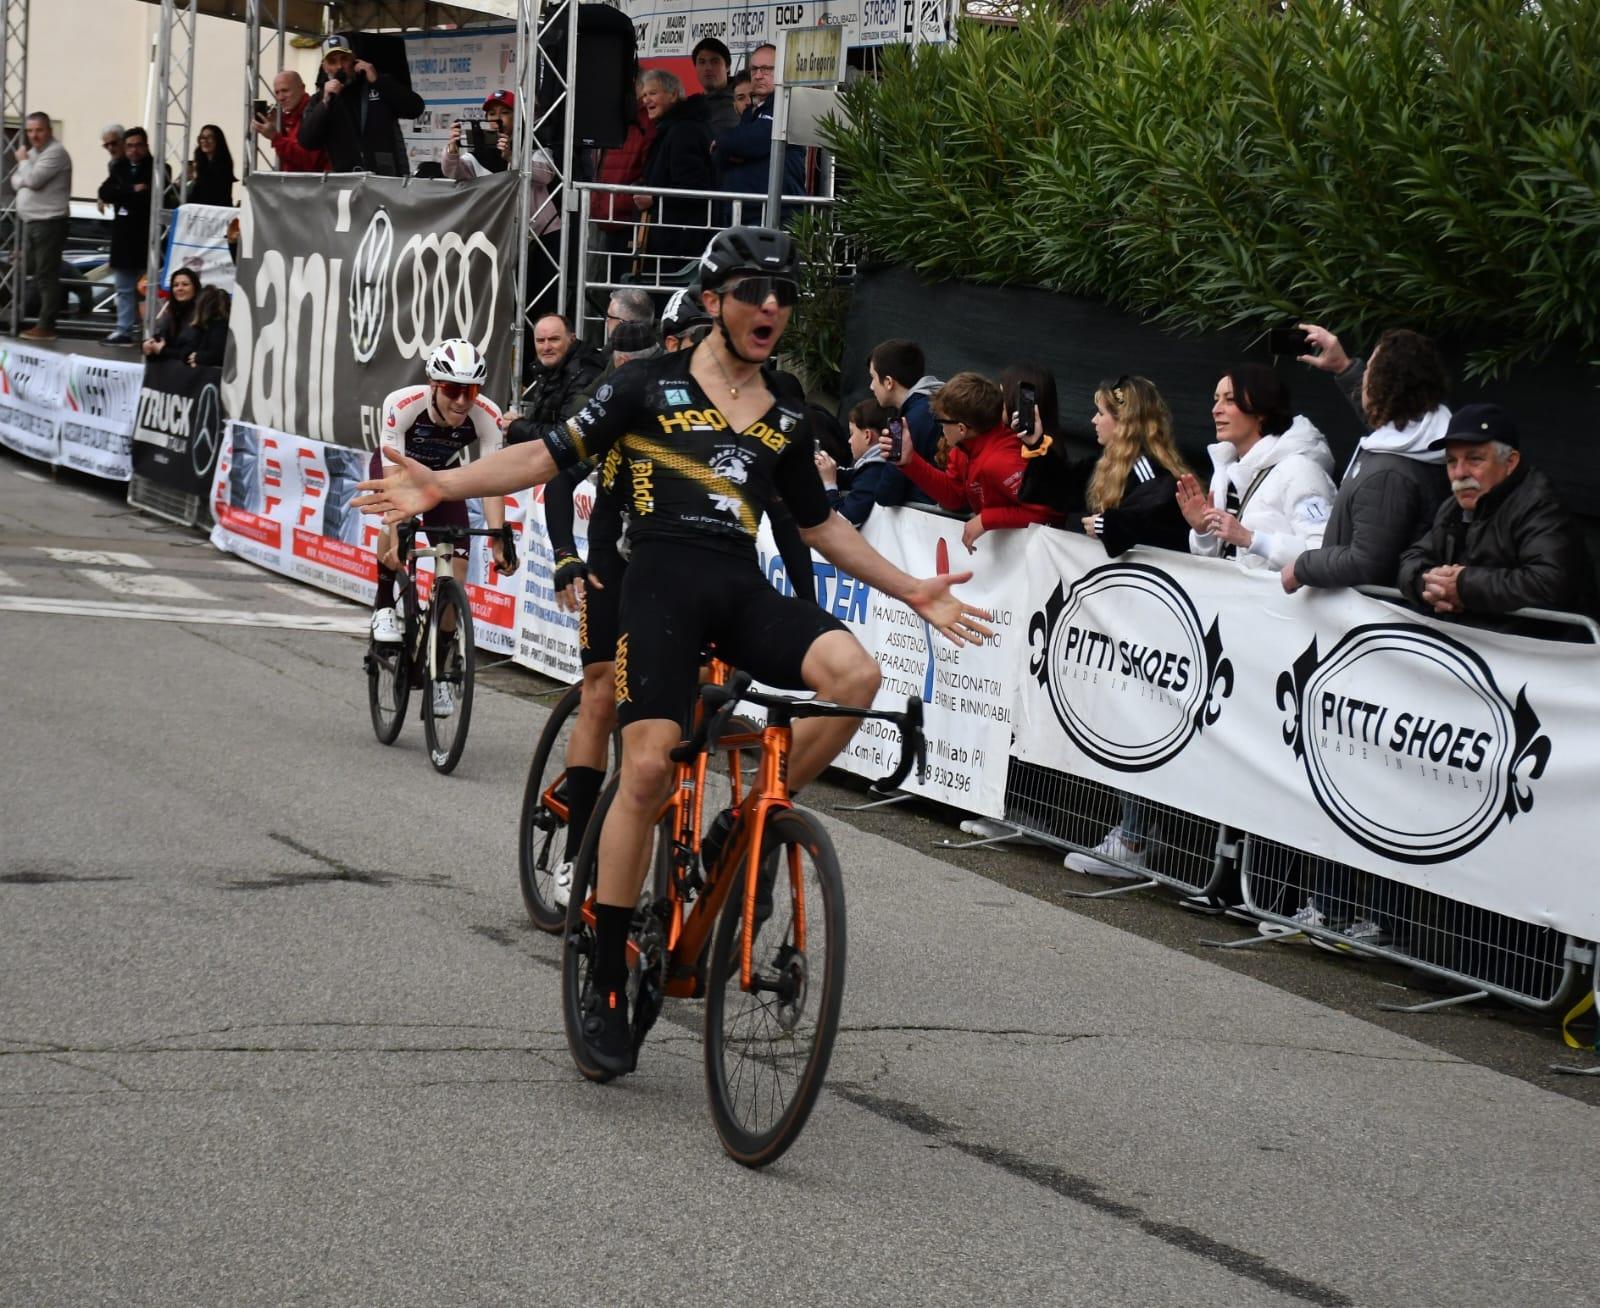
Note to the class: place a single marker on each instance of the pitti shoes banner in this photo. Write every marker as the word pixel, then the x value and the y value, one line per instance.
pixel 32 386
pixel 1334 723
pixel 346 283
pixel 97 421
pixel 968 691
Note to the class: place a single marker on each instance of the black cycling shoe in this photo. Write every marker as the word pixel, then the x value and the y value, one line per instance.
pixel 607 1033
pixel 714 837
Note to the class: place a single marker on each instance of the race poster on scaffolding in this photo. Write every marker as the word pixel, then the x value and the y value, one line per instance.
pixel 454 73
pixel 966 690
pixel 97 420
pixel 1355 730
pixel 32 383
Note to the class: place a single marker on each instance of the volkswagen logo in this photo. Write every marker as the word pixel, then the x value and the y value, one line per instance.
pixel 369 286
pixel 207 424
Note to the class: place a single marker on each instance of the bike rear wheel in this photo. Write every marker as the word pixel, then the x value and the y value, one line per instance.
pixel 767 1050
pixel 450 666
pixel 541 832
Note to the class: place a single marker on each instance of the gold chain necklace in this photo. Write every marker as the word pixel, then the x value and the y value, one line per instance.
pixel 733 388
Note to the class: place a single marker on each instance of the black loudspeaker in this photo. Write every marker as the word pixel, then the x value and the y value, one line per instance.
pixel 385 53
pixel 603 97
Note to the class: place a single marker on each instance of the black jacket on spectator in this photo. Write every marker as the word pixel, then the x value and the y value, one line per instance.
pixel 176 326
pixel 1147 515
pixel 130 212
pixel 1520 549
pixel 680 156
pixel 1385 503
pixel 360 127
pixel 555 394
pixel 213 183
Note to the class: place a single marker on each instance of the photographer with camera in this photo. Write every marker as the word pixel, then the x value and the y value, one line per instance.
pixel 281 128
pixel 356 115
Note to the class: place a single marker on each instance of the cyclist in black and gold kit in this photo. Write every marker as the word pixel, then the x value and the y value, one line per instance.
pixel 696 443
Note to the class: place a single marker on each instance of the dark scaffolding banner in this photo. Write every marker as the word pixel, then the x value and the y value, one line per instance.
pixel 346 282
pixel 175 439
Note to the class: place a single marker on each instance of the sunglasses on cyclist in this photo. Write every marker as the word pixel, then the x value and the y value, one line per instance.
pixel 458 391
pixel 755 290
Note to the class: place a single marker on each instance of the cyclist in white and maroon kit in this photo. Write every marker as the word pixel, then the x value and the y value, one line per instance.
pixel 438 424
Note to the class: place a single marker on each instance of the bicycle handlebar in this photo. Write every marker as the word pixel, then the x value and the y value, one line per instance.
pixel 720 702
pixel 407 532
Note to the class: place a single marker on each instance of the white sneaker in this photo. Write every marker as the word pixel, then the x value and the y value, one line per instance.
pixel 562 874
pixel 1114 846
pixel 386 628
pixel 443 705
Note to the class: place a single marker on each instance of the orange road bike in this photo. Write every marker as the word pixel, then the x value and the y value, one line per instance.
pixel 769 961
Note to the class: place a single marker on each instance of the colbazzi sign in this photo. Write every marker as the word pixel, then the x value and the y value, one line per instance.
pixel 1459 758
pixel 346 283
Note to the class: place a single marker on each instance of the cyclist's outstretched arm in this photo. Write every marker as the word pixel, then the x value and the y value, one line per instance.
pixel 843 546
pixel 408 488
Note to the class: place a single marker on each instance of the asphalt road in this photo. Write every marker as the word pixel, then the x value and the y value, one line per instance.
pixel 273 1029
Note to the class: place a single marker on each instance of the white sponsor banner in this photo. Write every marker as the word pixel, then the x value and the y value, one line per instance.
pixel 97 420
pixel 672 27
pixel 32 387
pixel 1450 759
pixel 547 636
pixel 198 241
pixel 454 72
pixel 967 691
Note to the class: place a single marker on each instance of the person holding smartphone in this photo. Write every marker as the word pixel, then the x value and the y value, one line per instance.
pixel 281 127
pixel 356 117
pixel 869 474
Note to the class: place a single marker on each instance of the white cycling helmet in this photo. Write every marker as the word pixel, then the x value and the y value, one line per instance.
pixel 457 361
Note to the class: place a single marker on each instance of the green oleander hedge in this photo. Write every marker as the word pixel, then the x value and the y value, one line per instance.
pixel 1225 163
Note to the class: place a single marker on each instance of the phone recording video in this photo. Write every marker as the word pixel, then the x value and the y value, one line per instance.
pixel 897 438
pixel 1291 341
pixel 1027 408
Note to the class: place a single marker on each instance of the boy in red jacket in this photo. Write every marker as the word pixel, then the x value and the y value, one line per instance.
pixel 984 469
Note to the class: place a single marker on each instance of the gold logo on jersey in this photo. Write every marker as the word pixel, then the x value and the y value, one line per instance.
pixel 773 440
pixel 583 621
pixel 693 420
pixel 621 666
pixel 644 500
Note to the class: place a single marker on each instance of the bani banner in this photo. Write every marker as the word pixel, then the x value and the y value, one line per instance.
pixel 198 240
pixel 345 285
pixel 32 383
pixel 1451 759
pixel 96 424
pixel 178 430
pixel 968 691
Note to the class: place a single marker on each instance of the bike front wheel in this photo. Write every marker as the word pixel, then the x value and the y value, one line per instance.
pixel 447 696
pixel 767 1049
pixel 541 829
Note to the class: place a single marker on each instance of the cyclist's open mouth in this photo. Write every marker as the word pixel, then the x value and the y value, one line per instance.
pixel 764 334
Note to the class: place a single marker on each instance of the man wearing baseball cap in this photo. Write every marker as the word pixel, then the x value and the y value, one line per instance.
pixel 713 65
pixel 1502 542
pixel 355 115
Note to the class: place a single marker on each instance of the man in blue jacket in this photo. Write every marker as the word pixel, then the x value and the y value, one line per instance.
pixel 742 154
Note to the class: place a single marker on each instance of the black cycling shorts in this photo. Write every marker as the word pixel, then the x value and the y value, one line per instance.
pixel 678 599
pixel 598 614
pixel 448 513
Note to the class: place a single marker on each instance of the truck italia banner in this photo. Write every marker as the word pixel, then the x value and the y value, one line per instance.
pixel 32 383
pixel 1447 758
pixel 179 428
pixel 98 416
pixel 345 284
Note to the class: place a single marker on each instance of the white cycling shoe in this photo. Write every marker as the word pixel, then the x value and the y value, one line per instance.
pixel 561 875
pixel 443 705
pixel 386 628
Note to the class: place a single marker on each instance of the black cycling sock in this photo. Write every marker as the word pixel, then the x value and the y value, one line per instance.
pixel 583 789
pixel 385 598
pixel 611 946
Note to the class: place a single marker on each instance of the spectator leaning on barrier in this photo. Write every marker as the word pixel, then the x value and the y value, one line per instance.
pixel 743 151
pixel 211 175
pixel 193 324
pixel 984 472
pixel 1503 541
pixel 43 181
pixel 1270 485
pixel 356 117
pixel 127 191
pixel 282 129
pixel 897 380
pixel 563 372
pixel 868 474
pixel 680 157
pixel 1395 482
pixel 712 64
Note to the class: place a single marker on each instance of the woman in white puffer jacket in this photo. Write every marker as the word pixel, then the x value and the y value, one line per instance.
pixel 1271 484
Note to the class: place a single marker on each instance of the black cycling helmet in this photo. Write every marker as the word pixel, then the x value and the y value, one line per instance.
pixel 758 251
pixel 684 310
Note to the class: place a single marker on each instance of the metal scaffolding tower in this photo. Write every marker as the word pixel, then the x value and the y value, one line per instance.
pixel 13 110
pixel 266 50
pixel 173 113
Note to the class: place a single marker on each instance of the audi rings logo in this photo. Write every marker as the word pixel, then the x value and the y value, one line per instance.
pixel 207 428
pixel 369 286
pixel 1132 673
pixel 1408 744
pixel 445 286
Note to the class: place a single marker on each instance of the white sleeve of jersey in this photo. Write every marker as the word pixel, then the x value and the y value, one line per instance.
pixel 486 422
pixel 401 409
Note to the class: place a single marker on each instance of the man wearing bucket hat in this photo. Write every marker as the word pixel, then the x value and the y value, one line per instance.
pixel 355 115
pixel 1502 541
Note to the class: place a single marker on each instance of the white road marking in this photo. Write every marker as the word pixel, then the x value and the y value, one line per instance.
pixel 28 475
pixel 6 579
pixel 147 585
pixel 96 558
pixel 315 598
pixel 355 624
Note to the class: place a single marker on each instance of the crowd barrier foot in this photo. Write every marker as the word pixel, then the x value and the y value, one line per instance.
pixel 1562 1069
pixel 1247 942
pixel 1212 908
pixel 899 797
pixel 1149 883
pixel 1434 1005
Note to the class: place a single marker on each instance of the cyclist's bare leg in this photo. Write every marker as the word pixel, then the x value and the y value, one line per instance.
pixel 590 740
pixel 644 782
pixel 838 669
